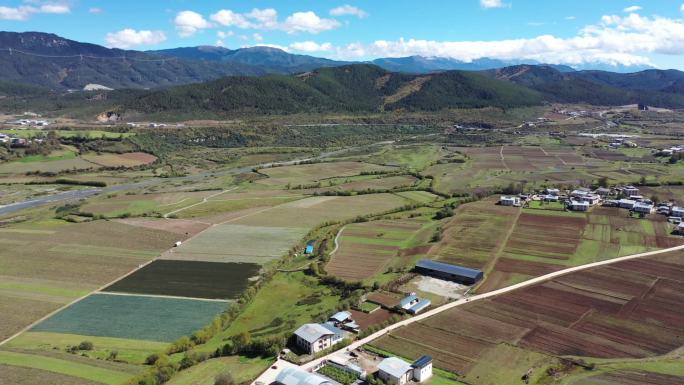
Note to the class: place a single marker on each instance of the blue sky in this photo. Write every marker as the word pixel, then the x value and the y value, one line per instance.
pixel 577 32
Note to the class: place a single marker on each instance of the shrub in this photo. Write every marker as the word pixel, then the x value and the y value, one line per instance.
pixel 85 345
pixel 224 378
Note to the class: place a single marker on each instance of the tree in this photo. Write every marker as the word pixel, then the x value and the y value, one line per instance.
pixel 240 341
pixel 224 378
pixel 603 182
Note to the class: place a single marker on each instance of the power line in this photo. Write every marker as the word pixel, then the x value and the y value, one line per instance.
pixel 12 51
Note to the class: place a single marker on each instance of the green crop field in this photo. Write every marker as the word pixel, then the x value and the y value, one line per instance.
pixel 21 375
pixel 128 350
pixel 242 370
pixel 61 366
pixel 416 157
pixel 311 173
pixel 133 317
pixel 93 134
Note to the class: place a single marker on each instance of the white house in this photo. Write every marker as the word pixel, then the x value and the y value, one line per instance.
pixel 579 206
pixel 592 199
pixel 395 371
pixel 313 338
pixel 643 208
pixel 677 212
pixel 630 191
pixel 509 201
pixel 550 198
pixel 627 204
pixel 422 368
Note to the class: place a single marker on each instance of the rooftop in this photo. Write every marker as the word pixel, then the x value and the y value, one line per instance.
pixel 394 366
pixel 422 362
pixel 295 376
pixel 449 269
pixel 341 316
pixel 312 332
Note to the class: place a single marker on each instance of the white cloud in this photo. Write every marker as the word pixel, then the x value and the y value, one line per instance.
pixel 633 8
pixel 267 19
pixel 228 18
pixel 223 35
pixel 308 22
pixel 257 37
pixel 25 12
pixel 347 9
pixel 625 40
pixel 95 10
pixel 311 46
pixel 128 38
pixel 681 8
pixel 189 22
pixel 570 17
pixel 493 4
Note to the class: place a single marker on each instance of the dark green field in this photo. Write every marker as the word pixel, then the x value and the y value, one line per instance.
pixel 189 279
pixel 133 317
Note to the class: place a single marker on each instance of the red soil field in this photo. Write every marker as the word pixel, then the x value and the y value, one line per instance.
pixel 375 318
pixel 634 377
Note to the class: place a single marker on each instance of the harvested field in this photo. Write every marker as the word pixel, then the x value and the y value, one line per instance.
pixel 312 173
pixel 475 233
pixel 387 300
pixel 130 159
pixel 631 377
pixel 238 243
pixel 626 310
pixel 388 183
pixel 375 318
pixel 176 226
pixel 366 249
pixel 133 317
pixel 314 211
pixel 16 375
pixel 189 279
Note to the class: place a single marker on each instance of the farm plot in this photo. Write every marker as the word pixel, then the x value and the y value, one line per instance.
pixel 64 162
pixel 388 183
pixel 474 235
pixel 44 265
pixel 631 377
pixel 130 159
pixel 628 310
pixel 314 211
pixel 238 244
pixel 133 317
pixel 188 279
pixel 143 203
pixel 17 375
pixel 534 236
pixel 312 173
pixel 366 248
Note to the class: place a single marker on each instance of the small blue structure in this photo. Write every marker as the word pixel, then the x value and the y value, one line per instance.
pixel 309 247
pixel 455 273
pixel 420 306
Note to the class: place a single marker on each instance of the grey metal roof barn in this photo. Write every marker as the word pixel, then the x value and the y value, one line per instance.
pixel 394 366
pixel 452 272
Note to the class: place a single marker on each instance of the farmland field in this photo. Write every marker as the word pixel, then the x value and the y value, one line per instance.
pixel 133 317
pixel 242 370
pixel 312 173
pixel 63 163
pixel 367 248
pixel 46 264
pixel 238 243
pixel 188 279
pixel 621 311
pixel 17 375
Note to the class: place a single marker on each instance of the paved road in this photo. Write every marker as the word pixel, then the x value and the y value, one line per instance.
pixel 269 376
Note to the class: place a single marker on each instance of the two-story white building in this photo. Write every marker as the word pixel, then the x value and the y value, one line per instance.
pixel 312 338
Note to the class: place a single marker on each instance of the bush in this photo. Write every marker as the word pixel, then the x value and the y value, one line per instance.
pixel 152 359
pixel 224 378
pixel 85 345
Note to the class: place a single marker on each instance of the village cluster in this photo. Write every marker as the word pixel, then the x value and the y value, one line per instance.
pixel 14 141
pixel 314 338
pixel 583 199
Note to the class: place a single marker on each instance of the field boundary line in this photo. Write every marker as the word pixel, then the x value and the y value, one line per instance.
pixel 269 374
pixel 503 160
pixel 124 294
pixel 204 200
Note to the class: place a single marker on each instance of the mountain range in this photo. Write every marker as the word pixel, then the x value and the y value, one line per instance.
pixel 50 61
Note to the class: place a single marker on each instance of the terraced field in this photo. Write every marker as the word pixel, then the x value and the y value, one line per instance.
pixel 622 311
